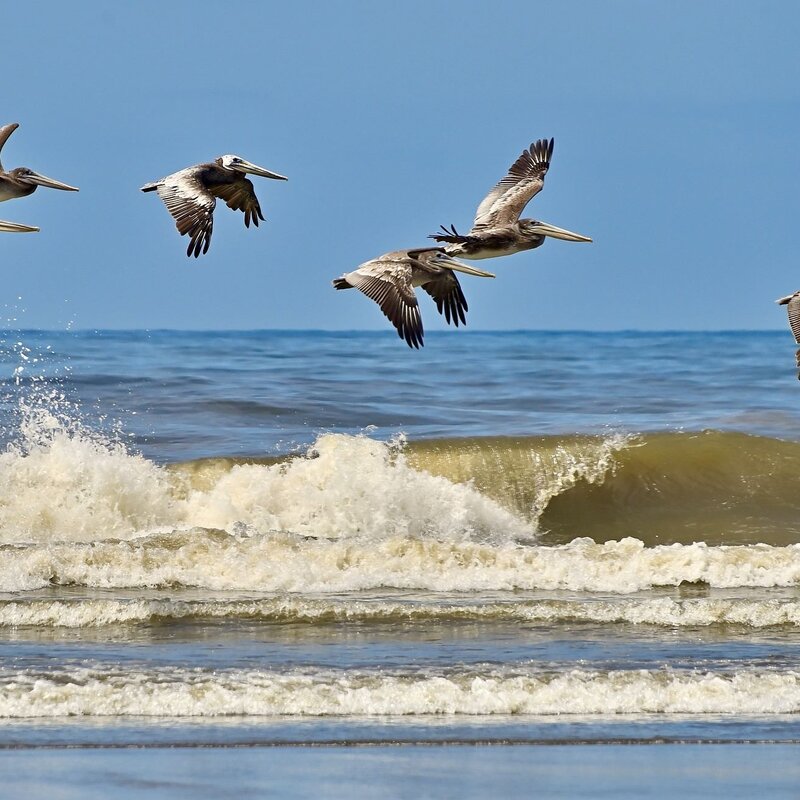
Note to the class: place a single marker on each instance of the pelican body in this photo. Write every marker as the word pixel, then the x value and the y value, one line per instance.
pixel 792 303
pixel 190 195
pixel 16 227
pixel 497 229
pixel 22 181
pixel 390 281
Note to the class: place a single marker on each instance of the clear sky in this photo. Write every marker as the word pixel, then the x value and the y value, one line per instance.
pixel 676 128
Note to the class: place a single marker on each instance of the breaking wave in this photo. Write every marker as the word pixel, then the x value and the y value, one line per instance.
pixel 659 611
pixel 484 690
pixel 576 513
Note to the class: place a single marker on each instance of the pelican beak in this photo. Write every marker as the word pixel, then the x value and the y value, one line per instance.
pixel 459 266
pixel 545 229
pixel 254 169
pixel 15 227
pixel 50 183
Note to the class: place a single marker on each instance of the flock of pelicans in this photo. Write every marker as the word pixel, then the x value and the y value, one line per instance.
pixel 190 196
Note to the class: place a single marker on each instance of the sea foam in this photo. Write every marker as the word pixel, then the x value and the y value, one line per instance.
pixel 284 562
pixel 179 692
pixel 66 484
pixel 91 612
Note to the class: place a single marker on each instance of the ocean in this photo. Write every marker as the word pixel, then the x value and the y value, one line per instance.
pixel 522 554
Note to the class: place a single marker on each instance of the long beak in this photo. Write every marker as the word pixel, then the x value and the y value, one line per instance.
pixel 50 183
pixel 559 233
pixel 15 227
pixel 254 169
pixel 460 266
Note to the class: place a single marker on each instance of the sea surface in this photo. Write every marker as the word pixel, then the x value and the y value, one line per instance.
pixel 278 539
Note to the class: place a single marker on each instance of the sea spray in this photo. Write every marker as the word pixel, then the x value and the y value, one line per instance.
pixel 64 482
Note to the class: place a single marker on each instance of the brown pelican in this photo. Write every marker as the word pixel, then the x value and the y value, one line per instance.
pixel 190 196
pixel 497 229
pixel 792 303
pixel 390 281
pixel 15 227
pixel 21 182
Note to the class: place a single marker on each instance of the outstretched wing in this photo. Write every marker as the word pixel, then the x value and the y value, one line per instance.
pixel 240 196
pixel 388 283
pixel 450 300
pixel 525 179
pixel 5 132
pixel 192 207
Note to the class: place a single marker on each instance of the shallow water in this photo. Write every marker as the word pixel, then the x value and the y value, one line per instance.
pixel 615 771
pixel 255 538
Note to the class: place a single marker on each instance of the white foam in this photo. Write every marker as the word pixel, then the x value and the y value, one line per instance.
pixel 176 692
pixel 697 612
pixel 71 486
pixel 283 562
pixel 62 483
pixel 352 486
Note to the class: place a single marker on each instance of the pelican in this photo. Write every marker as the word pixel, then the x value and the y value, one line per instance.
pixel 190 196
pixel 497 229
pixel 390 281
pixel 792 303
pixel 21 182
pixel 15 227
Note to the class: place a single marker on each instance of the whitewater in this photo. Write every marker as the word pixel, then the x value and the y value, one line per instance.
pixel 186 536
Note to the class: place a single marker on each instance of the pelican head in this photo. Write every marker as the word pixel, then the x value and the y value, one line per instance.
pixel 439 258
pixel 239 164
pixel 534 227
pixel 26 175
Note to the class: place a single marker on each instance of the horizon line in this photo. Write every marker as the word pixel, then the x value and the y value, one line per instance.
pixel 379 331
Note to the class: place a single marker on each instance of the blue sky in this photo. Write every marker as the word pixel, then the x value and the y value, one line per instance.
pixel 676 128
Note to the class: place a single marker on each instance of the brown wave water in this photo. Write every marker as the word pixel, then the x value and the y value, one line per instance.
pixel 711 486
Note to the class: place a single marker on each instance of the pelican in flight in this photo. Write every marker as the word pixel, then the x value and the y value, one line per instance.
pixel 15 227
pixel 497 229
pixel 191 194
pixel 792 303
pixel 390 281
pixel 21 182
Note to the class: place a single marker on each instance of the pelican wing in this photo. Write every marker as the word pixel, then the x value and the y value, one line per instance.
pixel 5 132
pixel 240 196
pixel 792 303
pixel 192 207
pixel 450 300
pixel 388 283
pixel 525 179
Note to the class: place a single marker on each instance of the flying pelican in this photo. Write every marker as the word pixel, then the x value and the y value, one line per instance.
pixel 390 281
pixel 190 196
pixel 21 182
pixel 497 229
pixel 792 303
pixel 15 227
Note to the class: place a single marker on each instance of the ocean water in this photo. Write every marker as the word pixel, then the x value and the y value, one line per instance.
pixel 286 538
